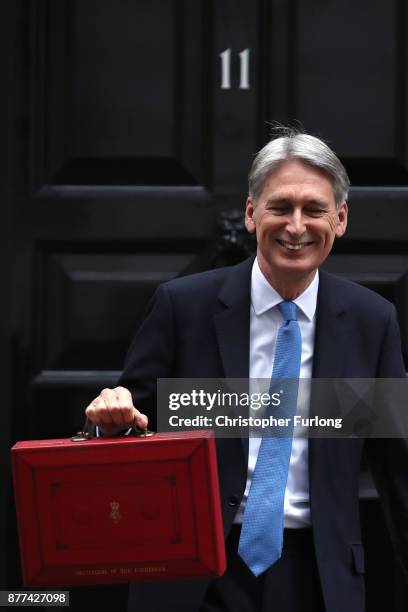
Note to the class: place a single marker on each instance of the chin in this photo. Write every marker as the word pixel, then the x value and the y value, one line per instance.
pixel 294 270
pixel 293 264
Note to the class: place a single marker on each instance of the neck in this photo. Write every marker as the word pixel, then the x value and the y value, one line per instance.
pixel 289 287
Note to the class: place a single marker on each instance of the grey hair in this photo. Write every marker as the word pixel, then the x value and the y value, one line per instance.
pixel 306 148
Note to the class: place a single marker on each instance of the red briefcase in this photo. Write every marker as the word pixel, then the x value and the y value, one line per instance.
pixel 113 510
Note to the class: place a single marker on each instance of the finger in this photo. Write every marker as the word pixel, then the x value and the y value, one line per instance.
pixel 131 415
pixel 113 406
pixel 125 401
pixel 110 398
pixel 90 413
pixel 98 412
pixel 124 396
pixel 140 420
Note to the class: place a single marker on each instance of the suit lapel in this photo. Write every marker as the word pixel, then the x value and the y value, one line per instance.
pixel 330 348
pixel 330 355
pixel 232 323
pixel 232 327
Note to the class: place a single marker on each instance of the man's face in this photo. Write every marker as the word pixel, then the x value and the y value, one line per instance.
pixel 296 222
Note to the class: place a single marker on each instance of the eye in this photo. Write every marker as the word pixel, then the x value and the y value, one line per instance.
pixel 278 209
pixel 314 211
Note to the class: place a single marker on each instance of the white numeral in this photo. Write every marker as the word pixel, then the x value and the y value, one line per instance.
pixel 244 73
pixel 226 69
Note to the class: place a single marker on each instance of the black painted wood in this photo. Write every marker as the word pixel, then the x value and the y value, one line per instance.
pixel 9 64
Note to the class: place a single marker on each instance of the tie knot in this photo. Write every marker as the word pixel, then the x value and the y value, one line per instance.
pixel 288 311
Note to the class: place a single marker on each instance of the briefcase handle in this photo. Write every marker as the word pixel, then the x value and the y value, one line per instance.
pixel 88 432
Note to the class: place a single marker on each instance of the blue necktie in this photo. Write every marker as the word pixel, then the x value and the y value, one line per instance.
pixel 260 543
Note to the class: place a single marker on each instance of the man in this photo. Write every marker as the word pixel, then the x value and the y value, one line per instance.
pixel 225 323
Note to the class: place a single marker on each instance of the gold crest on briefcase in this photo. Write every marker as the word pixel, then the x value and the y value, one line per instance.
pixel 115 514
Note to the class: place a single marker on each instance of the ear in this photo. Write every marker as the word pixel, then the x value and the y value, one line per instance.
pixel 342 214
pixel 249 215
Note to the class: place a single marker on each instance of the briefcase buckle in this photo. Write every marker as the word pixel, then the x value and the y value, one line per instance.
pixel 81 436
pixel 142 433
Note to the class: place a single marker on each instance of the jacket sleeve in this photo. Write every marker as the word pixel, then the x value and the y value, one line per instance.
pixel 151 354
pixel 388 457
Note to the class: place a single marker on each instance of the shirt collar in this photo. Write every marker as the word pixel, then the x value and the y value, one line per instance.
pixel 264 296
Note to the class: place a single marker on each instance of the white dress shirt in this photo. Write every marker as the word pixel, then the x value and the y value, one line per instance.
pixel 265 320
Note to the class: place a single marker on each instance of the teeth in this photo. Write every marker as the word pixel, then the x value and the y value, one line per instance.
pixel 294 246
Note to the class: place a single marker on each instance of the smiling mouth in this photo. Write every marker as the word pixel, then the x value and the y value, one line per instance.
pixel 294 246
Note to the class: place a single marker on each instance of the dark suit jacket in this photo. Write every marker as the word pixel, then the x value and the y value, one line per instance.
pixel 198 327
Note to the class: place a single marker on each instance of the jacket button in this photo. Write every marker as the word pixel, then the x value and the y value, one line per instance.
pixel 233 500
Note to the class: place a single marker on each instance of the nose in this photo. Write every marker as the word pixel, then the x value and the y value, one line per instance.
pixel 296 223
